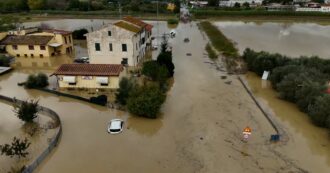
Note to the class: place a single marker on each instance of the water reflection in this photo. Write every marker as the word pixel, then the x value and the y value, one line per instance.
pixel 293 39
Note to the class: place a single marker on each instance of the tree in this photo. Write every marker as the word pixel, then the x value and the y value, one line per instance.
pixel 27 111
pixel 320 111
pixel 8 23
pixel 177 6
pixel 4 61
pixel 166 60
pixel 307 94
pixel 146 101
pixel 246 5
pixel 37 4
pixel 18 148
pixel 213 3
pixel 237 5
pixel 125 87
pixel 150 69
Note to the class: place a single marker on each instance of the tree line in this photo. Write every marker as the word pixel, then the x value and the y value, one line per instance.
pixel 7 6
pixel 303 80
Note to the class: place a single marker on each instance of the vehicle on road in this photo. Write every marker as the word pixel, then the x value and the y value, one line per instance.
pixel 83 60
pixel 115 126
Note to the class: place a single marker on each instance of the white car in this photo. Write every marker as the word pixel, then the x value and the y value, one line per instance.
pixel 172 33
pixel 115 126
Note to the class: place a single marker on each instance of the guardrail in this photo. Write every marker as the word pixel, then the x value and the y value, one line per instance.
pixel 279 131
pixel 54 140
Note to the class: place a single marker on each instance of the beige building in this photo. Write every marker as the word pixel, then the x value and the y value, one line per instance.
pixel 31 42
pixel 100 76
pixel 123 42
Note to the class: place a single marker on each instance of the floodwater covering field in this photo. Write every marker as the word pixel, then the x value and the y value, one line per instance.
pixel 199 129
pixel 292 39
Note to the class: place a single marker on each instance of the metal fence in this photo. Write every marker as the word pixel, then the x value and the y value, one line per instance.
pixel 54 140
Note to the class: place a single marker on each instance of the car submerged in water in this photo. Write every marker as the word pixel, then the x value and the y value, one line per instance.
pixel 115 126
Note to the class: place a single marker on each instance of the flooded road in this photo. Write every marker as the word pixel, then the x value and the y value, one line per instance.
pixel 292 39
pixel 199 130
pixel 309 145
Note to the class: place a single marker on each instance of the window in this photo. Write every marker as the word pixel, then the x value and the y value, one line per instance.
pixel 14 47
pixel 124 47
pixel 124 61
pixel 42 47
pixel 32 55
pixel 69 39
pixel 31 47
pixel 18 55
pixel 109 33
pixel 41 55
pixel 104 84
pixel 66 42
pixel 97 47
pixel 110 47
pixel 25 55
pixel 72 83
pixel 136 46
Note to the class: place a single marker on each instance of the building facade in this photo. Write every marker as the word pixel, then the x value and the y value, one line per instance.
pixel 91 76
pixel 123 42
pixel 231 3
pixel 32 42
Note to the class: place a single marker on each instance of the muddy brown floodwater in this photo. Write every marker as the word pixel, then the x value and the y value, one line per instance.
pixel 199 130
pixel 308 145
pixel 289 38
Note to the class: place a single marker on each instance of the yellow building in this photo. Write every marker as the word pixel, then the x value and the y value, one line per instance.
pixel 91 76
pixel 35 43
pixel 171 6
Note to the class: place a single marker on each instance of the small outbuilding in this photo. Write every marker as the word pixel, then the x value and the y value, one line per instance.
pixel 91 76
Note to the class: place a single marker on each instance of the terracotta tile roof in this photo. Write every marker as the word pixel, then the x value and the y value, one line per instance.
pixel 25 40
pixel 134 21
pixel 57 31
pixel 89 69
pixel 128 26
pixel 137 22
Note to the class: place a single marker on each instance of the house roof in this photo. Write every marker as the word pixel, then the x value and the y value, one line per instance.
pixel 137 22
pixel 89 69
pixel 25 40
pixel 128 26
pixel 57 31
pixel 134 21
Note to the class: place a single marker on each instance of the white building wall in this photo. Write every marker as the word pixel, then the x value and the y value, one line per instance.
pixel 135 51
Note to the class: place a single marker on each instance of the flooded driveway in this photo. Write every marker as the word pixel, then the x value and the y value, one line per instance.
pixel 293 39
pixel 199 130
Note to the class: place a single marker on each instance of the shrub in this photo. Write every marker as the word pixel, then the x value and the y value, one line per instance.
pixel 320 111
pixel 210 51
pixel 37 81
pixel 146 101
pixel 172 21
pixel 100 100
pixel 27 111
pixel 125 87
pixel 17 147
pixel 79 34
pixel 4 61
